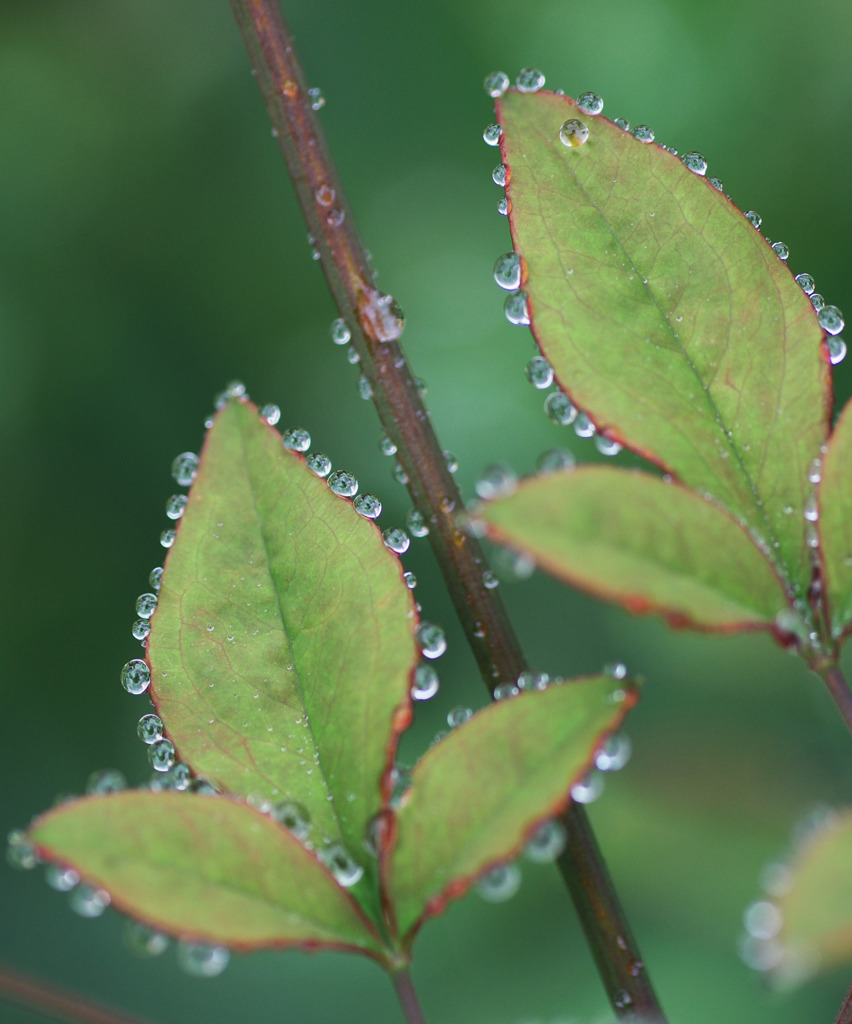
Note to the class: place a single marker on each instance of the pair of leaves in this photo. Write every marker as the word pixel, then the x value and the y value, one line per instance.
pixel 282 652
pixel 671 322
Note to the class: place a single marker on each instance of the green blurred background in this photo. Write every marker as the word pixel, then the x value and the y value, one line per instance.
pixel 152 250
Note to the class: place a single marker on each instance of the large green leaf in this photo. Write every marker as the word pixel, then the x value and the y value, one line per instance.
pixel 668 318
pixel 204 868
pixel 476 796
pixel 283 643
pixel 650 545
pixel 835 523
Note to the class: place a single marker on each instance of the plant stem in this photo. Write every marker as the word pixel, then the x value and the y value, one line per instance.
pixel 407 996
pixel 844 1016
pixel 56 1002
pixel 839 690
pixel 431 486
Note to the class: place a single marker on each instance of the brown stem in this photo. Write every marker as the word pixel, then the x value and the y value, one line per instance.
pixel 431 486
pixel 844 1015
pixel 407 996
pixel 839 690
pixel 57 1002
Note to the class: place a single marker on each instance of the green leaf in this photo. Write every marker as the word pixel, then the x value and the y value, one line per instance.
pixel 835 523
pixel 204 868
pixel 283 644
pixel 649 545
pixel 668 318
pixel 816 909
pixel 476 796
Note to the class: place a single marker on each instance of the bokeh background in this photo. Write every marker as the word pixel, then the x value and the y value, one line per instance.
pixel 151 250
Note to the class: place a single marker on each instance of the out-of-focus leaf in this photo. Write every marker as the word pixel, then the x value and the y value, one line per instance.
pixel 835 523
pixel 204 868
pixel 476 796
pixel 649 545
pixel 668 318
pixel 283 644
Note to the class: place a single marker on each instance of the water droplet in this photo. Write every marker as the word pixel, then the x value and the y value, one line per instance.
pixel 324 195
pixel 554 460
pixel 340 333
pixel 754 219
pixel 399 474
pixel 762 919
pixel 367 505
pixel 497 479
pixel 293 816
pixel 583 426
pixel 144 941
pixel 136 676
pixel 529 80
pixel 146 605
pixel 410 580
pixel 61 879
pixel 425 684
pixel 606 446
pixel 489 580
pixel 319 464
pixel 271 413
pixel 458 716
pixel 614 754
pixel 622 123
pixel 386 446
pixel 383 317
pixel 155 577
pixel 573 133
pixel 87 901
pixel 587 790
pixel 108 780
pixel 140 629
pixel 558 407
pixel 365 388
pixel 503 206
pixel 451 461
pixel 396 539
pixel 836 350
pixel 643 133
pixel 20 853
pixel 546 843
pixel 806 282
pixel 622 999
pixel 500 883
pixel 529 681
pixel 296 439
pixel 498 175
pixel 161 755
pixel 177 778
pixel 496 83
pixel 202 961
pixel 343 483
pixel 695 162
pixel 617 670
pixel 184 468
pixel 516 310
pixel 717 184
pixel 815 471
pixel 831 320
pixel 416 523
pixel 167 538
pixel 340 863
pixel 175 506
pixel 811 509
pixel 539 372
pixel 504 691
pixel 150 728
pixel 590 103
pixel 431 638
pixel 317 99
pixel 492 134
pixel 507 271
pixel 780 250
pixel 817 301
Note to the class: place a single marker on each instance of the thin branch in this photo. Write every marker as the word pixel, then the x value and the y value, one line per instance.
pixel 844 1016
pixel 407 996
pixel 431 486
pixel 839 690
pixel 56 1002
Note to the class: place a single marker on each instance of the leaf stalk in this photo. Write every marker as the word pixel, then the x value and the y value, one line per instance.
pixel 407 996
pixel 838 687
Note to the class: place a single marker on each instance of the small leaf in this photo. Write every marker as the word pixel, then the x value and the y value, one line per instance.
pixel 668 318
pixel 816 911
pixel 650 546
pixel 283 644
pixel 518 759
pixel 835 523
pixel 204 868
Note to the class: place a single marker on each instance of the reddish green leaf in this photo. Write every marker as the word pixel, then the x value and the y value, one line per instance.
pixel 668 318
pixel 283 642
pixel 813 931
pixel 835 523
pixel 647 544
pixel 204 868
pixel 518 759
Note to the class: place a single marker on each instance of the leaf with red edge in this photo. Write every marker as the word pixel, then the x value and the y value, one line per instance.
pixel 282 646
pixel 649 545
pixel 835 524
pixel 668 319
pixel 476 796
pixel 204 868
